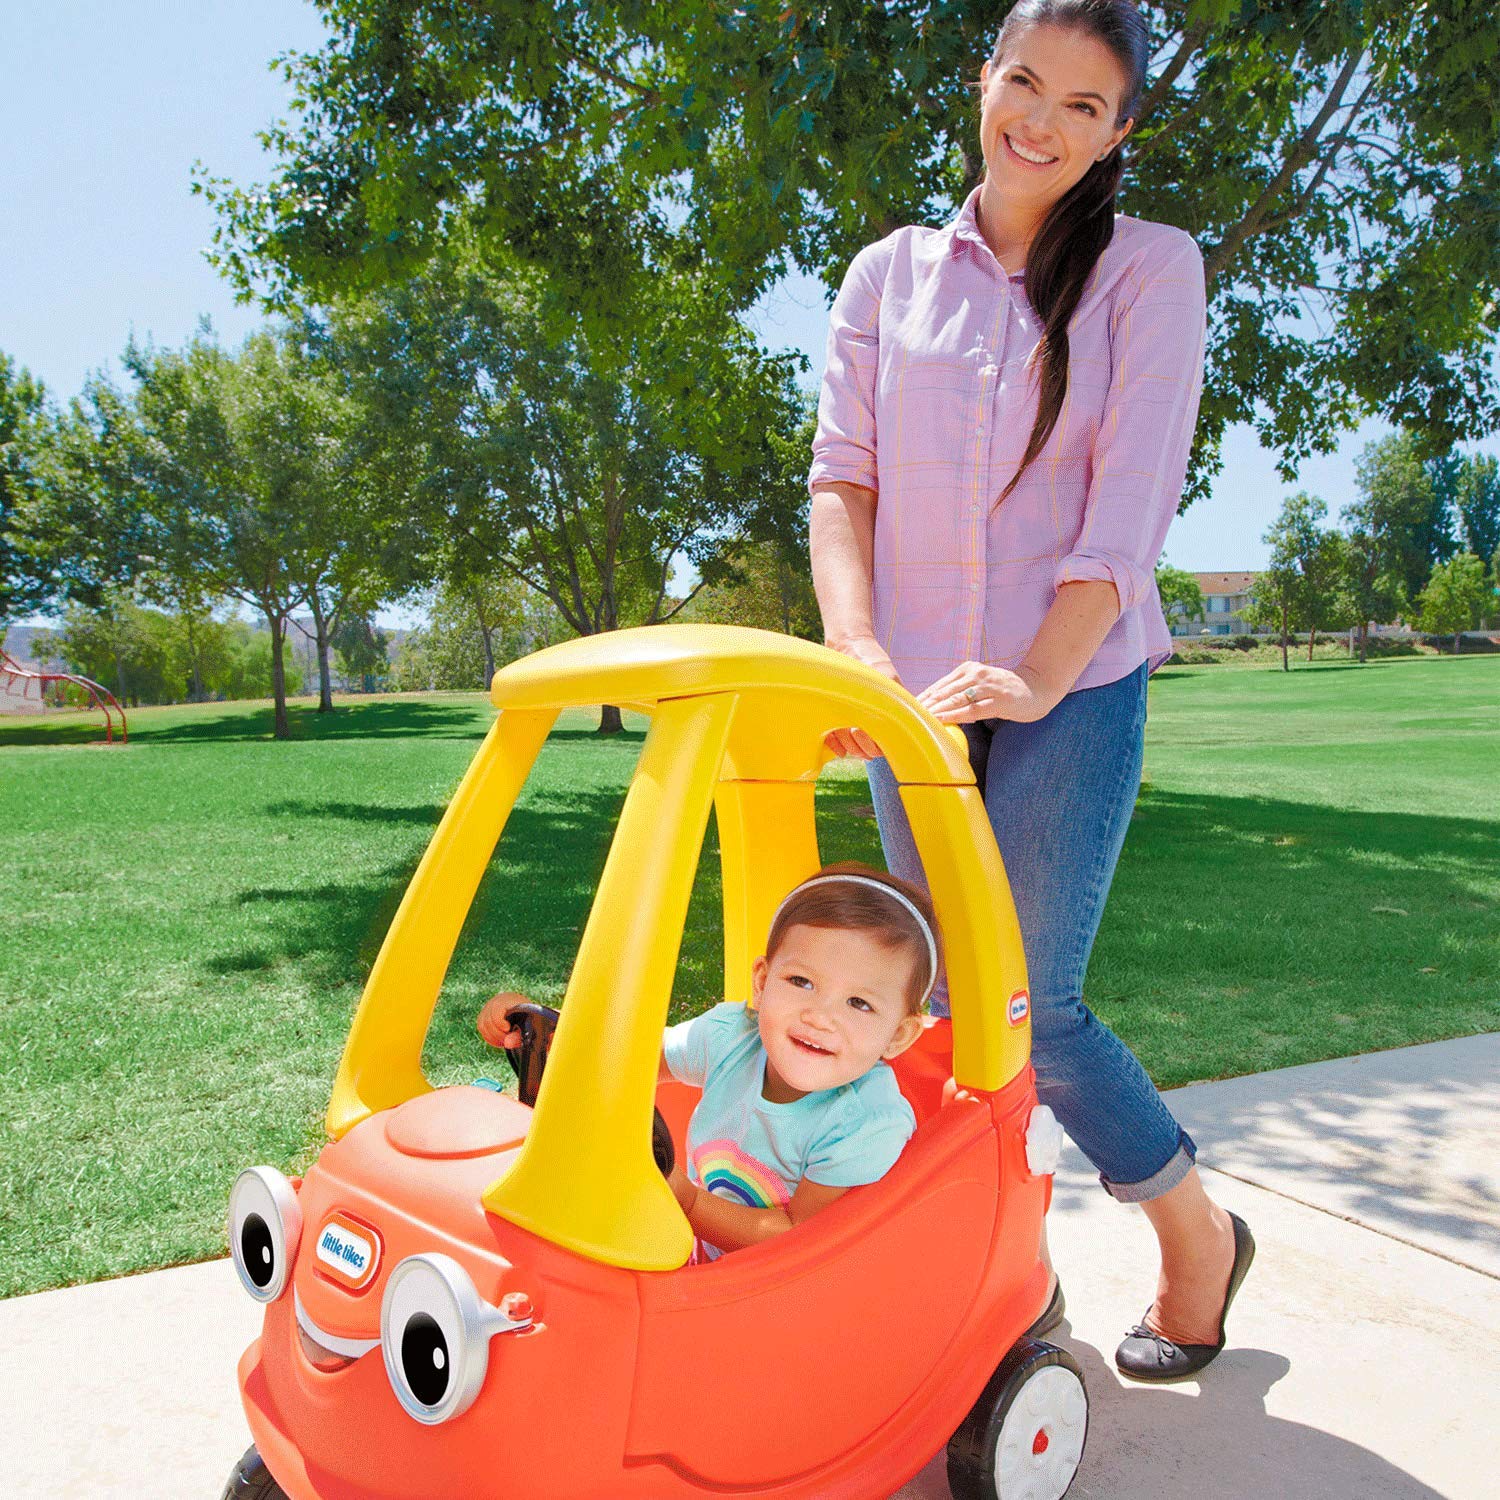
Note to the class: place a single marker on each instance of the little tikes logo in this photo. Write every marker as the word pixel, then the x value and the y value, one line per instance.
pixel 347 1252
pixel 1020 1007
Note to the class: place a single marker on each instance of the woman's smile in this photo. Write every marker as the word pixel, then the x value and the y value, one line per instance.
pixel 1033 159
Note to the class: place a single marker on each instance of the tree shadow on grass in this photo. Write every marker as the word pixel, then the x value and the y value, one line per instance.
pixel 380 718
pixel 426 814
pixel 42 731
pixel 1249 932
pixel 531 904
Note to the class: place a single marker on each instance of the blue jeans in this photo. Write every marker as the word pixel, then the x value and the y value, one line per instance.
pixel 1059 794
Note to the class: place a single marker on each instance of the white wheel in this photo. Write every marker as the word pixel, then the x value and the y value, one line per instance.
pixel 1041 1437
pixel 1024 1438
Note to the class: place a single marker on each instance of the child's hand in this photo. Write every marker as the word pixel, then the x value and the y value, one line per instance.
pixel 492 1025
pixel 685 1190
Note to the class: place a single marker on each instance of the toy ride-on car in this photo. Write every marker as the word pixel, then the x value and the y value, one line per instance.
pixel 468 1297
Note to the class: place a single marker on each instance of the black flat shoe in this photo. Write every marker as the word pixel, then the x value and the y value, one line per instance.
pixel 1051 1315
pixel 1148 1356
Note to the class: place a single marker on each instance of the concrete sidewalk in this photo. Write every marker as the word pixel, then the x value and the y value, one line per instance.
pixel 1363 1359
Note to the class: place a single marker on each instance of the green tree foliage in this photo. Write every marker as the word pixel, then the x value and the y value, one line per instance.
pixel 587 467
pixel 1302 586
pixel 1476 497
pixel 1180 594
pixel 1334 159
pixel 26 581
pixel 1405 509
pixel 1374 591
pixel 145 655
pixel 767 589
pixel 473 628
pixel 1456 596
pixel 363 652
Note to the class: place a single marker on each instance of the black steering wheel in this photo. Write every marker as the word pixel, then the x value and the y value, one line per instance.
pixel 537 1024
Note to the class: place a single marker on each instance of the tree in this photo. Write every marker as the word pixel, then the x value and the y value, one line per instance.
pixel 363 652
pixel 1456 595
pixel 1404 508
pixel 766 590
pixel 586 468
pixel 1328 603
pixel 1289 593
pixel 472 628
pixel 1374 593
pixel 1346 205
pixel 26 582
pixel 1477 500
pixel 1180 594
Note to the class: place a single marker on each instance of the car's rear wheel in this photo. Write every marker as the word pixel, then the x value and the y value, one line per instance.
pixel 1024 1438
pixel 251 1480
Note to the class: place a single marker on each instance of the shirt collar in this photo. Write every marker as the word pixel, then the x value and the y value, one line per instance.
pixel 966 227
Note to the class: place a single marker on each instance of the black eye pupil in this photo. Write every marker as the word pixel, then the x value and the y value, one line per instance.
pixel 257 1251
pixel 424 1359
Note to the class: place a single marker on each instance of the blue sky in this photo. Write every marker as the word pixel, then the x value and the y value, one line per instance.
pixel 104 107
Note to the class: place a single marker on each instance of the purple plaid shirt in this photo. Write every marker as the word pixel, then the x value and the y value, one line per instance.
pixel 927 401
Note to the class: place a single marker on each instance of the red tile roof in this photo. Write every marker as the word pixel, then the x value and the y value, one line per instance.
pixel 1225 583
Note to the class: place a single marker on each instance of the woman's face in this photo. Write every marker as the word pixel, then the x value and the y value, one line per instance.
pixel 1055 92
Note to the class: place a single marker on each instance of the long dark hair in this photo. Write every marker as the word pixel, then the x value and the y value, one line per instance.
pixel 1082 222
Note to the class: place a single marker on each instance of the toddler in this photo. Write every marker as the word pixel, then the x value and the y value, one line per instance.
pixel 798 1104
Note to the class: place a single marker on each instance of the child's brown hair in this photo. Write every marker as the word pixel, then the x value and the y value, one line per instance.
pixel 854 904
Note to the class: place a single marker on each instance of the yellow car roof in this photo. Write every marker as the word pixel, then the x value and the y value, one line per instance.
pixel 738 718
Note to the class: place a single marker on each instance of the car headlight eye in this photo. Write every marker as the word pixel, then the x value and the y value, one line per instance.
pixel 435 1332
pixel 265 1224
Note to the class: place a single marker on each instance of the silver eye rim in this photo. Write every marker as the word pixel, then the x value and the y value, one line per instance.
pixel 438 1287
pixel 268 1195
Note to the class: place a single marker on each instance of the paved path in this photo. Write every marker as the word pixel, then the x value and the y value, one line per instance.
pixel 1364 1358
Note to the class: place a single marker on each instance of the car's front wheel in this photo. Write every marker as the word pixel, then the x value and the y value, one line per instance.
pixel 1024 1438
pixel 251 1480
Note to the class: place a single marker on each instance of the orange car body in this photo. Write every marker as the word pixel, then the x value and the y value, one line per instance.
pixel 832 1361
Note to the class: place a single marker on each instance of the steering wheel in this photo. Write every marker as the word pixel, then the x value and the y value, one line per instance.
pixel 537 1023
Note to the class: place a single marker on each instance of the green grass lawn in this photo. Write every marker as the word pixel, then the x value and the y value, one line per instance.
pixel 1313 871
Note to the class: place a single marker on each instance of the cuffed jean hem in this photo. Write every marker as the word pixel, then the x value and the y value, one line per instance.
pixel 1158 1183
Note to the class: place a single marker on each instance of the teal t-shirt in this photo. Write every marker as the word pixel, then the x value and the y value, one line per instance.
pixel 743 1147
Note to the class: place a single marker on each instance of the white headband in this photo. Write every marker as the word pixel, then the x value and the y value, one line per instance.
pixel 895 895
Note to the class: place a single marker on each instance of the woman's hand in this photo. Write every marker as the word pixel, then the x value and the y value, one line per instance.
pixel 867 649
pixel 974 691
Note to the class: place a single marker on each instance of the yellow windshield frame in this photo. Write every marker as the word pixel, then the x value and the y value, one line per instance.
pixel 738 719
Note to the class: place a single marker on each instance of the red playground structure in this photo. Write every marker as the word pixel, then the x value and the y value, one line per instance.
pixel 40 691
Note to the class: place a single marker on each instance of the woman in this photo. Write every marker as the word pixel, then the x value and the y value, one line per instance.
pixel 1003 433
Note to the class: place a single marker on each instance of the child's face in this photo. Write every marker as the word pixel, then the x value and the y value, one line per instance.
pixel 831 1004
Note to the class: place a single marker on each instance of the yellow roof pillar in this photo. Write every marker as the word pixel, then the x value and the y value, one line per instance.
pixel 608 1201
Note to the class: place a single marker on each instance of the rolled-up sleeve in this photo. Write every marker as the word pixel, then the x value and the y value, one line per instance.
pixel 844 447
pixel 1140 455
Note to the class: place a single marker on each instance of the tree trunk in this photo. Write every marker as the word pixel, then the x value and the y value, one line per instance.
pixel 1458 640
pixel 1285 665
pixel 281 729
pixel 320 635
pixel 609 719
pixel 195 675
pixel 1312 635
pixel 487 635
pixel 1364 639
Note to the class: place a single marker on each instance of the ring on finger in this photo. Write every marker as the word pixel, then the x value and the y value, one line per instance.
pixel 971 693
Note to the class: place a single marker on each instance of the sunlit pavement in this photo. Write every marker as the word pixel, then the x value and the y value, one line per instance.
pixel 1363 1358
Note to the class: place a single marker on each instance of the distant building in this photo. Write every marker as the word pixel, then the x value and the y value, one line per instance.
pixel 1226 596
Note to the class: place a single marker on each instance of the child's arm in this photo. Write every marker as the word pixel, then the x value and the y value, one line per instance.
pixel 731 1226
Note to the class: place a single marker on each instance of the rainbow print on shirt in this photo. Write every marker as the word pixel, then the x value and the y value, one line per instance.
pixel 726 1170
